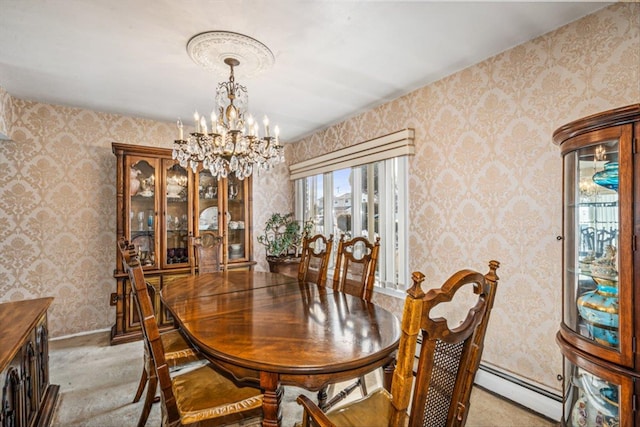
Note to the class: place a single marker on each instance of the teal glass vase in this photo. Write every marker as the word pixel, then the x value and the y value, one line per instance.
pixel 608 178
pixel 599 310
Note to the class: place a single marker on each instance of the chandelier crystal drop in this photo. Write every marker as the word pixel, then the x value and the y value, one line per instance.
pixel 233 143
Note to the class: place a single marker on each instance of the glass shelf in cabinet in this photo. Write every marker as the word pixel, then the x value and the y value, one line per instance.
pixel 600 204
pixel 147 196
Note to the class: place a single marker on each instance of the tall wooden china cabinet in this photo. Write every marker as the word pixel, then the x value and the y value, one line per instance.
pixel 601 259
pixel 160 205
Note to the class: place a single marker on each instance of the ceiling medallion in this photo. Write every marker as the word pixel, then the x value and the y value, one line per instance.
pixel 210 49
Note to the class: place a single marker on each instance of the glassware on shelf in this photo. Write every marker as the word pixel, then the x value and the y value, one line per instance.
pixel 211 192
pixel 236 250
pixel 140 221
pixel 597 403
pixel 150 215
pixel 608 177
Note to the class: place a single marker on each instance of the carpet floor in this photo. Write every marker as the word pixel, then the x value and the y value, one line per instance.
pixel 97 383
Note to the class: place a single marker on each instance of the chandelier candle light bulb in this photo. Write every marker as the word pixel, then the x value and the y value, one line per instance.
pixel 266 126
pixel 203 125
pixel 180 131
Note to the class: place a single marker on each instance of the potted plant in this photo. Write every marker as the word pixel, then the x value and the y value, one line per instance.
pixel 282 238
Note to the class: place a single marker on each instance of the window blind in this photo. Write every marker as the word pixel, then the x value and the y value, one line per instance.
pixel 385 147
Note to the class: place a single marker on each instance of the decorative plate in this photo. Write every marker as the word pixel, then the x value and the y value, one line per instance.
pixel 209 218
pixel 141 243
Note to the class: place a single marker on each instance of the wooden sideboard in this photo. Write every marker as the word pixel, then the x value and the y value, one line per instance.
pixel 27 397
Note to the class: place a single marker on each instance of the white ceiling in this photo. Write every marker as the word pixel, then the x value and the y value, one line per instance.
pixel 333 59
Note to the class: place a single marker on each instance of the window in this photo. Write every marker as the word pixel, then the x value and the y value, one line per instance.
pixel 367 200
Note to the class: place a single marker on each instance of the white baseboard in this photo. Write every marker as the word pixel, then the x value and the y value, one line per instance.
pixel 532 396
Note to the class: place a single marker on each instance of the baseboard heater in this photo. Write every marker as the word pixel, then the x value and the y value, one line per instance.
pixel 520 391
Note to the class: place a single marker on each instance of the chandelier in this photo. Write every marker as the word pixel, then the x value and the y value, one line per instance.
pixel 231 143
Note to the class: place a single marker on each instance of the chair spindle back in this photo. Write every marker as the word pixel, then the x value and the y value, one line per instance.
pixel 355 270
pixel 149 325
pixel 207 250
pixel 314 262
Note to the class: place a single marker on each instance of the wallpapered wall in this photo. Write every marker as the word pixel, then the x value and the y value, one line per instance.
pixel 58 213
pixel 486 183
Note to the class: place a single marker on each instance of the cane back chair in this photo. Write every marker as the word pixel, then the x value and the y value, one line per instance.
pixel 446 367
pixel 314 262
pixel 179 354
pixel 199 397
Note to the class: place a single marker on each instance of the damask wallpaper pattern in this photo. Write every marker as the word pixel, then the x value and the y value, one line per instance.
pixel 486 180
pixel 57 208
pixel 485 183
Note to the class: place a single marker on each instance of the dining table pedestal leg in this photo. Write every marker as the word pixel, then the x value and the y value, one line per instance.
pixel 322 397
pixel 273 391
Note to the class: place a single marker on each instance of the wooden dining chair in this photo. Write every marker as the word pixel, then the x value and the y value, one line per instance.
pixel 179 353
pixel 355 268
pixel 207 247
pixel 314 261
pixel 200 396
pixel 354 274
pixel 447 361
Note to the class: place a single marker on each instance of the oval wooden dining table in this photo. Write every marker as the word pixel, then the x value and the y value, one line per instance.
pixel 271 330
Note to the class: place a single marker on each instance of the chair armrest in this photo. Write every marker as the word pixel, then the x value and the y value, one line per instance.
pixel 313 415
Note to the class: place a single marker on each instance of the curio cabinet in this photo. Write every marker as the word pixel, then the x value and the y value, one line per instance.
pixel 600 296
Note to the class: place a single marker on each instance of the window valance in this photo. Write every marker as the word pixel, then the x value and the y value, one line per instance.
pixel 385 147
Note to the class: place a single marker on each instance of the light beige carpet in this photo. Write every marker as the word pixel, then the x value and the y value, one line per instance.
pixel 97 383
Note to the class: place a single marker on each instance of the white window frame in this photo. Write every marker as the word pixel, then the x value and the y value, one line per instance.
pixel 391 151
pixel 392 277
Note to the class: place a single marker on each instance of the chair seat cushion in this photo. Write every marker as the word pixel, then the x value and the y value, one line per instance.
pixel 373 410
pixel 177 351
pixel 204 394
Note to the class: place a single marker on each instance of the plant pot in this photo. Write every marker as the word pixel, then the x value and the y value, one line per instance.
pixel 284 265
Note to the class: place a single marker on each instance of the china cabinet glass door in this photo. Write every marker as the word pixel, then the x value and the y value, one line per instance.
pixel 223 207
pixel 208 202
pixel 142 209
pixel 593 300
pixel 597 294
pixel 236 219
pixel 176 214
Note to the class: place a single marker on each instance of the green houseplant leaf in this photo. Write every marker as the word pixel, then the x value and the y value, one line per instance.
pixel 282 235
